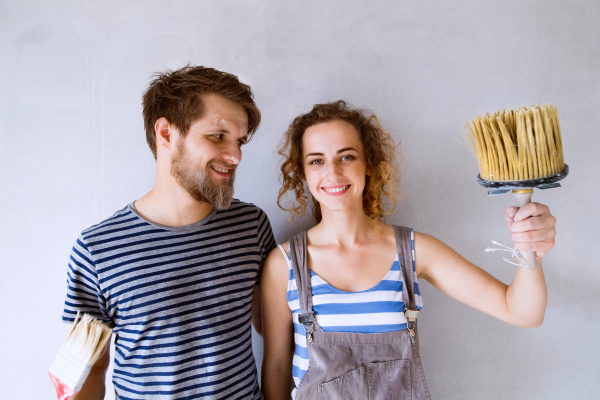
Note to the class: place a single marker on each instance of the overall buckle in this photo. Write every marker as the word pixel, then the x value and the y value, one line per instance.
pixel 411 319
pixel 308 321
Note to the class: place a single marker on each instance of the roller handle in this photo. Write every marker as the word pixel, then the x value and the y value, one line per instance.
pixel 529 262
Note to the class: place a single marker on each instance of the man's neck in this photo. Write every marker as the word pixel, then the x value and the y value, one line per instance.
pixel 170 205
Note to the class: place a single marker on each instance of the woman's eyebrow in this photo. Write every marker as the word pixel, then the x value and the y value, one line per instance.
pixel 337 152
pixel 313 154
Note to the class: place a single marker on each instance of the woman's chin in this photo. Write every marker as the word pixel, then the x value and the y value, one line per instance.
pixel 339 206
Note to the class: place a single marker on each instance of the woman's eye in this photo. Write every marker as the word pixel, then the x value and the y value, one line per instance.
pixel 241 142
pixel 347 158
pixel 218 135
pixel 316 162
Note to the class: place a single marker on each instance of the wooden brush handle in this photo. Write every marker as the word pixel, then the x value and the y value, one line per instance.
pixel 529 262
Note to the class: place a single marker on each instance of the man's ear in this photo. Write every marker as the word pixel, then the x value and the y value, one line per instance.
pixel 164 133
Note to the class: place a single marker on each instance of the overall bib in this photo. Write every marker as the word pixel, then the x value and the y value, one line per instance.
pixel 365 366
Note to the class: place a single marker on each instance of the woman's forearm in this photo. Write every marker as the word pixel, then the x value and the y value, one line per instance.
pixel 527 297
pixel 276 380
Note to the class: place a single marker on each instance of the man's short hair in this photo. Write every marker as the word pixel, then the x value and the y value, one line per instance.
pixel 177 97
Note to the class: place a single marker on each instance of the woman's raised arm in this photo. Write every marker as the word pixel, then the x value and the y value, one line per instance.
pixel 523 302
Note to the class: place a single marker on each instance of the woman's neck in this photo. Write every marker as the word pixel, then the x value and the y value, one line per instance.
pixel 344 228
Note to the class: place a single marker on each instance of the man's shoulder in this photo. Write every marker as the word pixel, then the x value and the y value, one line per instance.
pixel 238 206
pixel 118 220
pixel 241 213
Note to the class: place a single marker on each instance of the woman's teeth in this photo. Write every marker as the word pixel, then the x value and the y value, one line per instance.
pixel 336 190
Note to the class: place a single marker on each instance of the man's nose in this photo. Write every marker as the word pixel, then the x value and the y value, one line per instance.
pixel 233 154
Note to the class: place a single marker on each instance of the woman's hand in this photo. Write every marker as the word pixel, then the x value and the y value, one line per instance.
pixel 532 228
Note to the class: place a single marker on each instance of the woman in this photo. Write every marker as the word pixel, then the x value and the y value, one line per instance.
pixel 340 302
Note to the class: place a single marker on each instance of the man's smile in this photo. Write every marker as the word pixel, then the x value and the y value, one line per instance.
pixel 221 171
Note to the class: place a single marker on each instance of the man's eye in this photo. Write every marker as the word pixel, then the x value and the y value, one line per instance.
pixel 218 135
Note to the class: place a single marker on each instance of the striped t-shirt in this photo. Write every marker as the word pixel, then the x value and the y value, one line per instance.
pixel 376 310
pixel 179 299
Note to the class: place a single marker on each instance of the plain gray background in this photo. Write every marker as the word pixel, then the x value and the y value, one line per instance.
pixel 72 152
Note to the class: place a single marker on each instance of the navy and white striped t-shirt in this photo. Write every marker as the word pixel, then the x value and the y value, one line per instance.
pixel 179 300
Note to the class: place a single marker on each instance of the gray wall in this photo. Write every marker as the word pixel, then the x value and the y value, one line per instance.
pixel 72 151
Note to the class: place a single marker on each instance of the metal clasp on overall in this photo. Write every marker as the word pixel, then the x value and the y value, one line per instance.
pixel 309 327
pixel 411 319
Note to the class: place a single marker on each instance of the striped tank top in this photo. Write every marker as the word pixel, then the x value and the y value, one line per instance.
pixel 376 310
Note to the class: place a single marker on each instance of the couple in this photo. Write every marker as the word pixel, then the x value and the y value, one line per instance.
pixel 181 273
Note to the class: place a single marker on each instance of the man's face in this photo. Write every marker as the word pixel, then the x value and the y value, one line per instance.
pixel 204 162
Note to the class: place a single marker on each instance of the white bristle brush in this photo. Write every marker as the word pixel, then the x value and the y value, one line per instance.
pixel 84 346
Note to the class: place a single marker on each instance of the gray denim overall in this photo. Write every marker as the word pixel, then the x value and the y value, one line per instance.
pixel 365 366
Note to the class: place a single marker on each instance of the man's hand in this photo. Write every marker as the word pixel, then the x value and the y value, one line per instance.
pixel 94 387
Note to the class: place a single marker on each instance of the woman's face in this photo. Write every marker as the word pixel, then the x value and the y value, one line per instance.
pixel 334 165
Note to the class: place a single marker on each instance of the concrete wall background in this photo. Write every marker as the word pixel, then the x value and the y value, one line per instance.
pixel 72 151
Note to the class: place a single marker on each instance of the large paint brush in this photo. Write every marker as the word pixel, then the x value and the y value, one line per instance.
pixel 519 150
pixel 84 346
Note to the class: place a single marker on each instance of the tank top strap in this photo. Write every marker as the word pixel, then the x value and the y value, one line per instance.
pixel 404 246
pixel 285 255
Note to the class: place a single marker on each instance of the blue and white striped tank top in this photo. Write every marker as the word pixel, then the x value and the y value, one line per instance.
pixel 376 310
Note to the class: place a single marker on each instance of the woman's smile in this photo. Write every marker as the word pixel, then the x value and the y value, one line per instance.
pixel 335 190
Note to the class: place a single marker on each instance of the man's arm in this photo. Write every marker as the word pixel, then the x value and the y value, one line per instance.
pixel 84 295
pixel 266 243
pixel 256 314
pixel 94 387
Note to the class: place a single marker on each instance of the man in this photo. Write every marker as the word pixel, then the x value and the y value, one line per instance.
pixel 174 273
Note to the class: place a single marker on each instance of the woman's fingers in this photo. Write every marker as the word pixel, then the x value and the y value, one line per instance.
pixel 510 215
pixel 533 224
pixel 532 228
pixel 540 235
pixel 531 210
pixel 540 248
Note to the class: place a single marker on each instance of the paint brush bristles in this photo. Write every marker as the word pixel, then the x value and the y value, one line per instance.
pixel 88 338
pixel 517 145
pixel 83 347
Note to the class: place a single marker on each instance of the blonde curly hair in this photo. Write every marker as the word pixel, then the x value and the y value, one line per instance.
pixel 380 153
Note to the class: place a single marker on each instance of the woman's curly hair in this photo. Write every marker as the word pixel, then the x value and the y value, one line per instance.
pixel 379 151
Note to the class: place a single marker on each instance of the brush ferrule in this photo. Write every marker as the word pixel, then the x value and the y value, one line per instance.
pixel 521 191
pixel 70 369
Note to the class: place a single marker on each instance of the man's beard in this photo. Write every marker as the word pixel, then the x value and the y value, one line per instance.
pixel 198 184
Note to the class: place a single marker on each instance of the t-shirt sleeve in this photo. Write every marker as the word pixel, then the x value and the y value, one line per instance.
pixel 83 289
pixel 266 241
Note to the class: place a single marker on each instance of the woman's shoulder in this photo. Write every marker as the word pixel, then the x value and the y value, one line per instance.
pixel 275 270
pixel 276 256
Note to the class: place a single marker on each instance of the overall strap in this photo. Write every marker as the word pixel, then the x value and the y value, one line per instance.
pixel 404 246
pixel 298 253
